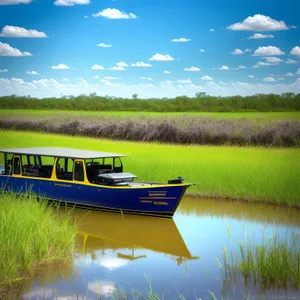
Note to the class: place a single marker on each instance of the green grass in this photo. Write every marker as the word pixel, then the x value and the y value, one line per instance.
pixel 275 261
pixel 266 174
pixel 259 116
pixel 32 236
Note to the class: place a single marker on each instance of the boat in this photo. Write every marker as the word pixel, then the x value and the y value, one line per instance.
pixel 84 178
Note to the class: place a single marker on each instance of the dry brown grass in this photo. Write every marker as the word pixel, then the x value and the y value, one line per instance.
pixel 185 130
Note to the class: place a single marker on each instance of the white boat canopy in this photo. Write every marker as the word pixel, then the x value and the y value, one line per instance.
pixel 61 152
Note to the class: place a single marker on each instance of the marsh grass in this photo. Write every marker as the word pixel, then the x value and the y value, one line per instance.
pixel 176 130
pixel 275 261
pixel 32 237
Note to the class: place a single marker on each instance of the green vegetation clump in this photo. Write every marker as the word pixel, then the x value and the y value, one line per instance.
pixel 252 173
pixel 201 102
pixel 32 235
pixel 275 261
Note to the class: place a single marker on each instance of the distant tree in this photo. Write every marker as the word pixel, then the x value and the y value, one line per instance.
pixel 135 96
pixel 200 94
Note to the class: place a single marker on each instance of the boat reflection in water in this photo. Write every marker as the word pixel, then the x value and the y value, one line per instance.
pixel 106 242
pixel 125 235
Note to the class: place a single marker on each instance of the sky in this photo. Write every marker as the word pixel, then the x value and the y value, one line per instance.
pixel 155 48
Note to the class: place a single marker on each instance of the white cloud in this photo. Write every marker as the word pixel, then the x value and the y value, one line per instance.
pixel 181 40
pixel 247 50
pixel 261 36
pixel 97 67
pixel 117 68
pixel 15 31
pixel 113 13
pixel 3 71
pixel 86 17
pixel 192 69
pixel 224 68
pixel 141 64
pixel 268 51
pixel 161 57
pixel 206 78
pixel 289 74
pixel 51 88
pixel 185 81
pixel 147 85
pixel 269 79
pixel 273 60
pixel 146 78
pixel 82 81
pixel 291 61
pixel 211 30
pixel 96 77
pixel 14 2
pixel 298 72
pixel 250 76
pixel 106 82
pixel 295 51
pixel 237 52
pixel 259 23
pixel 65 80
pixel 202 50
pixel 32 73
pixel 104 45
pixel 121 64
pixel 109 77
pixel 71 2
pixel 280 79
pixel 60 67
pixel 7 50
pixel 167 72
pixel 262 64
pixel 241 67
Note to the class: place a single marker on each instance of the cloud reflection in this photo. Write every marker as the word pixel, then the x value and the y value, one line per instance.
pixel 102 287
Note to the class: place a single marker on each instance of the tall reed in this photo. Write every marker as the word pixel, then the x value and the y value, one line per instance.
pixel 273 262
pixel 31 235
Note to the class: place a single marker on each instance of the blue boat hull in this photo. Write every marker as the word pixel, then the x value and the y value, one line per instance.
pixel 156 200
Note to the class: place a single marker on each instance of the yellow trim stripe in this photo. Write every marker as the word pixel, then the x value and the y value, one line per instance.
pixel 157 198
pixel 96 185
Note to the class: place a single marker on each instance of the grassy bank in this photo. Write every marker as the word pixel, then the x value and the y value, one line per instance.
pixel 32 237
pixel 256 116
pixel 176 130
pixel 264 174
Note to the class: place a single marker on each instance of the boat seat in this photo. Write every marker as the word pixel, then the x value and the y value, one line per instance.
pixel 95 169
pixel 65 175
pixel 30 169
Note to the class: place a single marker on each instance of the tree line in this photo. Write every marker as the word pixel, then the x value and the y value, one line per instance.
pixel 200 102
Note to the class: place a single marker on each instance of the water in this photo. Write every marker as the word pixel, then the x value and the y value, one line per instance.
pixel 178 256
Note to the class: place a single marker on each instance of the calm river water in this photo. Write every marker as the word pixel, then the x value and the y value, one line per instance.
pixel 178 256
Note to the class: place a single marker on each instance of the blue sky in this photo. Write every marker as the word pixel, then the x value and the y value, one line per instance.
pixel 153 48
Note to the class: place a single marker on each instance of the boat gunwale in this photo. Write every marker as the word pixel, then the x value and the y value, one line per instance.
pixel 156 185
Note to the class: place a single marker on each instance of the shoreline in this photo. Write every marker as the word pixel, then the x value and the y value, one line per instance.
pixel 195 195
